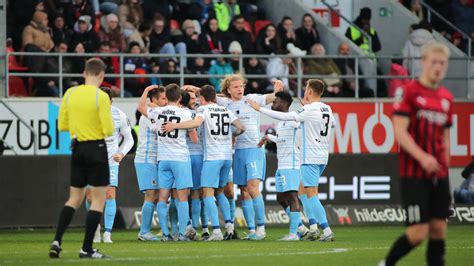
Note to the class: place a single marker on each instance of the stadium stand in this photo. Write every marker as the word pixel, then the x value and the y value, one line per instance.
pixel 162 28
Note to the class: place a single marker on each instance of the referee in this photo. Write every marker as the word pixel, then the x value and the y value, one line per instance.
pixel 85 113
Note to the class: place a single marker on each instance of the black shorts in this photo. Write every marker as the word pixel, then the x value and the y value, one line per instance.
pixel 89 164
pixel 425 199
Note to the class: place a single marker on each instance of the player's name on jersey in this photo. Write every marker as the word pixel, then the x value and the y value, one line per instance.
pixel 217 109
pixel 169 112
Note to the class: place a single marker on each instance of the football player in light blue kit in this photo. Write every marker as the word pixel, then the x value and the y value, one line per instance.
pixel 174 169
pixel 249 159
pixel 146 163
pixel 189 100
pixel 316 126
pixel 217 140
pixel 115 154
pixel 288 174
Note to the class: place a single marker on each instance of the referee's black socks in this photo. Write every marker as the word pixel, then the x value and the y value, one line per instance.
pixel 435 252
pixel 92 221
pixel 64 219
pixel 400 248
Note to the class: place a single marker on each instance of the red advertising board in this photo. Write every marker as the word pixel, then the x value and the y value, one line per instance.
pixel 368 128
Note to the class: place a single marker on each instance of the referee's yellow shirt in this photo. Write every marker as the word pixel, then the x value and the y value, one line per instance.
pixel 85 113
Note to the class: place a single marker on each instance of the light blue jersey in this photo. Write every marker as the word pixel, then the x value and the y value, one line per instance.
pixel 122 131
pixel 195 149
pixel 147 141
pixel 249 118
pixel 288 150
pixel 216 132
pixel 171 146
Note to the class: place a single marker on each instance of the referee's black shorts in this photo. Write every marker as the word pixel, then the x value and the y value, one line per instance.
pixel 89 164
pixel 425 199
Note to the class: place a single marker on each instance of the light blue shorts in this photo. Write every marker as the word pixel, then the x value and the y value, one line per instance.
pixel 248 164
pixel 215 173
pixel 231 176
pixel 175 174
pixel 287 180
pixel 114 175
pixel 196 167
pixel 147 176
pixel 310 174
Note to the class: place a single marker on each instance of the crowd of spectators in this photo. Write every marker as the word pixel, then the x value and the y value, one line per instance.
pixel 175 28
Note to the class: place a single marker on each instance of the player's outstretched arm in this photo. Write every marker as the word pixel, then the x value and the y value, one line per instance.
pixel 277 87
pixel 290 116
pixel 142 107
pixel 240 128
pixel 427 161
pixel 194 123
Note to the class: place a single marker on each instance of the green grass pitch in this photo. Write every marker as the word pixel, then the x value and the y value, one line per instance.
pixel 353 246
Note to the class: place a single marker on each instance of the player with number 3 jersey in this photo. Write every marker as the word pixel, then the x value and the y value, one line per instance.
pixel 316 126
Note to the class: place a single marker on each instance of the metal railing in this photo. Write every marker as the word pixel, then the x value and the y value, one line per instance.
pixel 431 11
pixel 33 133
pixel 182 75
pixel 333 10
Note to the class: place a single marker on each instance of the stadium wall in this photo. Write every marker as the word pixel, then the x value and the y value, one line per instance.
pixel 361 127
pixel 33 188
pixel 355 189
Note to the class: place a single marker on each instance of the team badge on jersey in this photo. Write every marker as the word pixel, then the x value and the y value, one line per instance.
pixel 399 94
pixel 445 105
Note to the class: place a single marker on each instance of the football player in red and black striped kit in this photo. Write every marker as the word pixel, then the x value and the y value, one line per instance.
pixel 422 117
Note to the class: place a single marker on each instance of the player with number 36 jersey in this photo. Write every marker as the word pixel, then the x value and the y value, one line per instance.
pixel 217 145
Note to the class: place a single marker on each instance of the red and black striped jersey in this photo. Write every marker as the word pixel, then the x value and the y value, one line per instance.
pixel 430 113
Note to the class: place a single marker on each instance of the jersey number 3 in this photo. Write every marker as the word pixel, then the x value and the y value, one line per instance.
pixel 325 132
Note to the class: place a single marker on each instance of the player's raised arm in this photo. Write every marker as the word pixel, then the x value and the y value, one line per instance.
pixel 277 87
pixel 142 106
